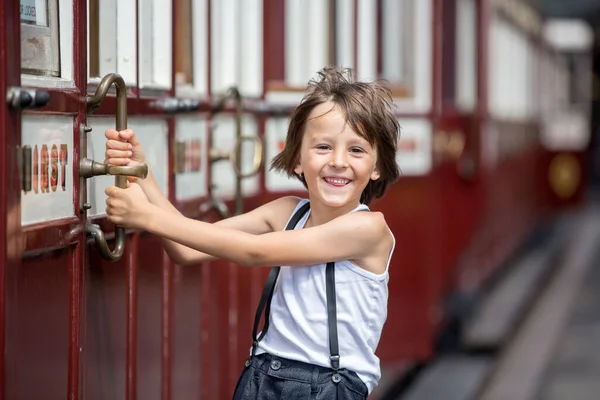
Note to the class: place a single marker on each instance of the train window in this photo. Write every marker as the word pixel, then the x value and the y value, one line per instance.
pixel 111 22
pixel 191 47
pixel 155 43
pixel 40 38
pixel 184 64
pixel 396 50
pixel 306 51
pixel 465 71
pixel 236 46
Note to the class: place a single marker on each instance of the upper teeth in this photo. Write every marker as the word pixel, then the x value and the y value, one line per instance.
pixel 338 181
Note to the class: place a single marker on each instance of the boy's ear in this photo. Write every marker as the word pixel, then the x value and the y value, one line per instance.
pixel 375 174
pixel 298 169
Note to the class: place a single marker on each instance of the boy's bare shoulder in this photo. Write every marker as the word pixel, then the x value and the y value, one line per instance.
pixel 366 222
pixel 278 212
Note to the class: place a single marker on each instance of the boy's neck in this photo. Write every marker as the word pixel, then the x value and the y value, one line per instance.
pixel 321 213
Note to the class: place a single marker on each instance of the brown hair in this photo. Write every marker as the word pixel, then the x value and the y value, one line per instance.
pixel 367 107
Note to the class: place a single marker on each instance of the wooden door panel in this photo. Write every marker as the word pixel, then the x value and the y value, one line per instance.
pixel 151 264
pixel 186 335
pixel 38 318
pixel 105 327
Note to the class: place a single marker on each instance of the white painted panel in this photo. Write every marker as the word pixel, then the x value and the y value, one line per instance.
pixel 422 45
pixel 414 148
pixel 53 200
pixel 145 49
pixel 65 23
pixel 251 48
pixel 306 40
pixel 200 45
pixel 345 33
pixel 108 36
pixel 192 184
pixel 161 38
pixel 466 68
pixel 566 130
pixel 367 40
pixel 510 80
pixel 153 135
pixel 295 43
pixel 155 44
pixel 394 40
pixel 223 175
pixel 225 34
pixel 275 134
pixel 315 34
pixel 126 40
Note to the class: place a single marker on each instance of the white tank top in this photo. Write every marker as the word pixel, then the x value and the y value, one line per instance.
pixel 298 328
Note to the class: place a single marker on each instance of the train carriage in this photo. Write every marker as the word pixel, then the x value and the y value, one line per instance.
pixel 90 311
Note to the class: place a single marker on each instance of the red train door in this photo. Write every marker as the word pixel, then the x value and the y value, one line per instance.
pixel 71 323
pixel 44 251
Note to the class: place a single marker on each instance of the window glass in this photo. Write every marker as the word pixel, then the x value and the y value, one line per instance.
pixel 397 33
pixel 184 65
pixel 155 43
pixel 112 39
pixel 39 38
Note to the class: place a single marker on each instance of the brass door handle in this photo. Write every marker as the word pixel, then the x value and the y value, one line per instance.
pixel 218 155
pixel 235 155
pixel 89 168
pixel 256 160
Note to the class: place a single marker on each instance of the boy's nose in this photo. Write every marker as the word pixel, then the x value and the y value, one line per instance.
pixel 338 159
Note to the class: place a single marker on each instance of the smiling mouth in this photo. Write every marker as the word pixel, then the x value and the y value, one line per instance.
pixel 337 181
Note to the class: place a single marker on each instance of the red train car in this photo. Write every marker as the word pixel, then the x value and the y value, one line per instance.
pixel 208 86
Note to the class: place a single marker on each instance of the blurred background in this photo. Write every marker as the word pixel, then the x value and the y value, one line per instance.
pixel 492 291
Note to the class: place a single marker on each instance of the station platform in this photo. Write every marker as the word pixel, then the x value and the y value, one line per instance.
pixel 536 335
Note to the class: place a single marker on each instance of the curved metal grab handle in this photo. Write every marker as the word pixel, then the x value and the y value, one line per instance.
pixel 120 181
pixel 256 161
pixel 114 255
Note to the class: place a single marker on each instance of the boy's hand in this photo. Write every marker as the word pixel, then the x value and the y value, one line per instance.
pixel 129 207
pixel 123 148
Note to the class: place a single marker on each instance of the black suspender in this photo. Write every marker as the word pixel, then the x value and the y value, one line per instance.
pixel 267 295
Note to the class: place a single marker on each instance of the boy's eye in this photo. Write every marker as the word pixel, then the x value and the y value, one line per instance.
pixel 323 147
pixel 356 150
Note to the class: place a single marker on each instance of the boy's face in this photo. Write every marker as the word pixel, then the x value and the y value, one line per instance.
pixel 336 162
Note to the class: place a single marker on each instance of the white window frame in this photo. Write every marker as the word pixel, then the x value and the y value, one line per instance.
pixel 65 42
pixel 200 54
pixel 156 61
pixel 306 50
pixel 237 46
pixel 117 49
pixel 466 51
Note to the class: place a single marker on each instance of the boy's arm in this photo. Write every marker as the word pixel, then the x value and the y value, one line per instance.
pixel 349 237
pixel 255 222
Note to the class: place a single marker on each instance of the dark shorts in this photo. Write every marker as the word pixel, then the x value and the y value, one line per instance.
pixel 271 377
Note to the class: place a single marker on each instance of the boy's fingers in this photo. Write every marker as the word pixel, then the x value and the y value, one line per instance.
pixel 117 161
pixel 111 134
pixel 110 153
pixel 129 136
pixel 118 145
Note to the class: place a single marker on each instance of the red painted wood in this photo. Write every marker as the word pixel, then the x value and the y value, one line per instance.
pixel 153 348
pixel 273 42
pixel 39 314
pixel 104 366
pixel 131 331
